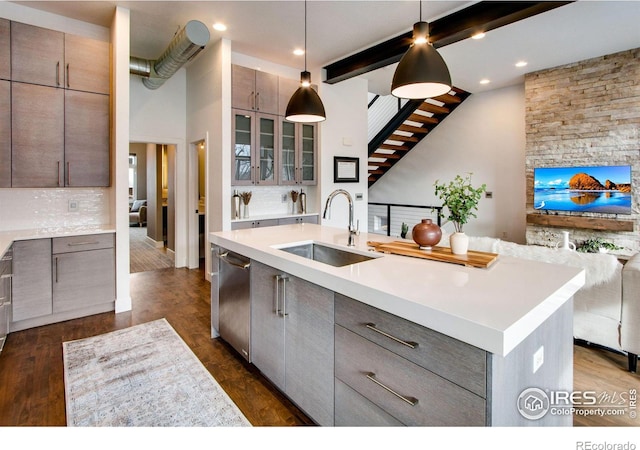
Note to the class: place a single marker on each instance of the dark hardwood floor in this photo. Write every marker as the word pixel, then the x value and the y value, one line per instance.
pixel 31 372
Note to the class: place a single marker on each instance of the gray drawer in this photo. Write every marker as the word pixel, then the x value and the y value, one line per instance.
pixel 5 262
pixel 82 243
pixel 353 410
pixel 438 402
pixel 450 358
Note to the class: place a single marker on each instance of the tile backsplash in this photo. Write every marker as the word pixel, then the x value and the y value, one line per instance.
pixel 22 209
pixel 267 200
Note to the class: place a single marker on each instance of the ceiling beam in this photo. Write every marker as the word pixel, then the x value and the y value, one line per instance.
pixel 481 16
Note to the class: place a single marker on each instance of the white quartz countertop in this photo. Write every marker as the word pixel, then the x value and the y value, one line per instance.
pixel 8 237
pixel 493 309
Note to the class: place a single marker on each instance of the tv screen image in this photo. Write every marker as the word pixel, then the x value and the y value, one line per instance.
pixel 598 189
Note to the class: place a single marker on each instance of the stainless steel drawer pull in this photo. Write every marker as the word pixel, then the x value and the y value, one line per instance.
pixel 372 327
pixel 410 400
pixel 75 244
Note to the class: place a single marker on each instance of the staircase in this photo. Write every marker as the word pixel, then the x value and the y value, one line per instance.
pixel 408 127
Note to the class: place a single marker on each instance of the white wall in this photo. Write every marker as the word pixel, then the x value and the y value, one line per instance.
pixel 486 136
pixel 344 133
pixel 209 120
pixel 159 116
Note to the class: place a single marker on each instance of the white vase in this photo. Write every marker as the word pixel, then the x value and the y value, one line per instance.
pixel 459 243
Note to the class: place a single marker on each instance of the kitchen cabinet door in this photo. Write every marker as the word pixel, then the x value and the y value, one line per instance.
pixel 266 93
pixel 5 50
pixel 266 150
pixel 37 147
pixel 242 163
pixel 267 324
pixel 286 88
pixel 82 279
pixel 86 135
pixel 37 55
pixel 308 154
pixel 309 338
pixel 86 64
pixel 253 90
pixel 289 143
pixel 5 134
pixel 31 284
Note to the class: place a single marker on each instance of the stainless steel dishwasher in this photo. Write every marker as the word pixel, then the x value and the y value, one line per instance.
pixel 234 299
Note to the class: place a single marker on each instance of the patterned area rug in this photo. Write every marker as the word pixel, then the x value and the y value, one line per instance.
pixel 143 376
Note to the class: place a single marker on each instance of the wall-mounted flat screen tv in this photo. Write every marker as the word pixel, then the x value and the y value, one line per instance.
pixel 598 189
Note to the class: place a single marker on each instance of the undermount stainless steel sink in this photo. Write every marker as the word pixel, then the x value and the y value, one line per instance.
pixel 327 255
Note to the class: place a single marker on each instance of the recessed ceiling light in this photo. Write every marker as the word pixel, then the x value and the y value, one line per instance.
pixel 478 35
pixel 521 63
pixel 485 81
pixel 219 26
pixel 298 52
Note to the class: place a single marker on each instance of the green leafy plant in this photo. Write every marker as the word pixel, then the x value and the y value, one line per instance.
pixel 460 198
pixel 595 244
pixel 405 230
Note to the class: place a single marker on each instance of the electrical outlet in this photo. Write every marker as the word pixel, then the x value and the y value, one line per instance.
pixel 74 205
pixel 359 196
pixel 284 198
pixel 488 194
pixel 538 359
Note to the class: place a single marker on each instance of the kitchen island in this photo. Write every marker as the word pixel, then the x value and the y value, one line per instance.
pixel 489 333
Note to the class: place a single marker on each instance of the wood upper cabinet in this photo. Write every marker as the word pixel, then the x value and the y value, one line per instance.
pixel 286 88
pixel 37 55
pixel 5 134
pixel 254 90
pixel 5 49
pixel 37 147
pixel 86 64
pixel 86 135
pixel 31 283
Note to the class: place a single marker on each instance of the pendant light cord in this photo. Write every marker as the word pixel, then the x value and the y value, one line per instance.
pixel 305 35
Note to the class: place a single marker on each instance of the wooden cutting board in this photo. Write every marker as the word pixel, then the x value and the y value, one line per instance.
pixel 472 258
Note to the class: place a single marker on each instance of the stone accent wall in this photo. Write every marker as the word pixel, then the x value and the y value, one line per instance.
pixel 585 114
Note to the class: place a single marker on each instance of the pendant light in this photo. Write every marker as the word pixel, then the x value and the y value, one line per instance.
pixel 421 73
pixel 305 104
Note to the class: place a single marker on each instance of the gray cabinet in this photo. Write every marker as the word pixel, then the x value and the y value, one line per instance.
pixel 83 272
pixel 300 219
pixel 31 279
pixel 86 64
pixel 59 103
pixel 254 90
pixel 6 271
pixel 62 278
pixel 37 55
pixel 5 49
pixel 86 138
pixel 255 155
pixel 413 374
pixel 298 153
pixel 5 133
pixel 292 338
pixel 243 225
pixel 37 117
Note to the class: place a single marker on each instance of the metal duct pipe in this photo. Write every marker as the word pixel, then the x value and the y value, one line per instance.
pixel 185 45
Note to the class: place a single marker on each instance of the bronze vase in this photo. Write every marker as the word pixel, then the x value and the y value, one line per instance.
pixel 426 234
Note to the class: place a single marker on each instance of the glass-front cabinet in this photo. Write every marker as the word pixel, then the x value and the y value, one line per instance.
pixel 255 156
pixel 298 153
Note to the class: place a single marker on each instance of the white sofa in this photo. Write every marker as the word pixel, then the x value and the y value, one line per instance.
pixel 606 309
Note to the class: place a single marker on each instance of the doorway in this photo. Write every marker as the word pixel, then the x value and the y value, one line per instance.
pixel 151 206
pixel 201 189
